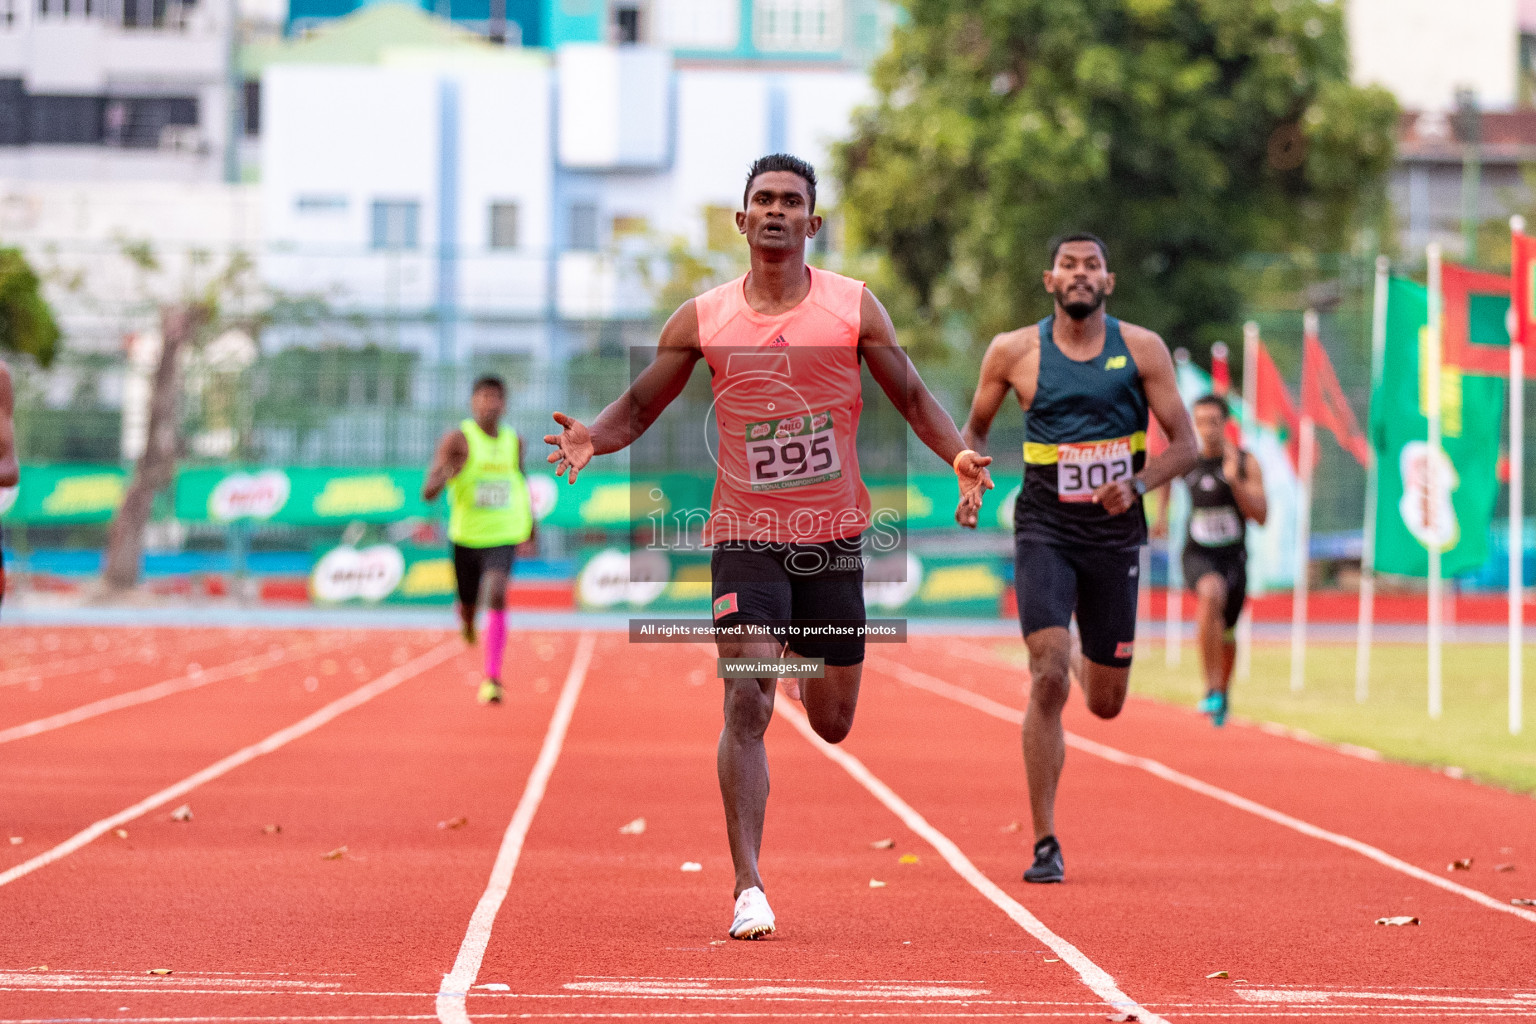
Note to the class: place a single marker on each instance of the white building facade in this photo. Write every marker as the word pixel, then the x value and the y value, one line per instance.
pixel 488 203
pixel 116 90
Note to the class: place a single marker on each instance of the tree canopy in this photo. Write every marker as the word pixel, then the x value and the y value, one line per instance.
pixel 1186 133
pixel 27 325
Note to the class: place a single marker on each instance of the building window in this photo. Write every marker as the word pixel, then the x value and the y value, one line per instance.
pixel 699 24
pixel 583 227
pixel 626 24
pixel 503 225
pixel 802 25
pixel 321 204
pixel 396 224
pixel 65 120
pixel 251 95
pixel 150 122
pixel 7 13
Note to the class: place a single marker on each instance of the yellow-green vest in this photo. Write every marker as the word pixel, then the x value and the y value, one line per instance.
pixel 488 499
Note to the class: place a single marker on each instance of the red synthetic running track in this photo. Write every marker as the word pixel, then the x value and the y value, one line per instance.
pixel 1166 884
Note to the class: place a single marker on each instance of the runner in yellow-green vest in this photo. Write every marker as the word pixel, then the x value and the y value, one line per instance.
pixel 480 462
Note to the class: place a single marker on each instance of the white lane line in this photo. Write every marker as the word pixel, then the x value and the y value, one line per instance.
pixel 466 966
pixel 1095 977
pixel 302 727
pixel 923 681
pixel 179 684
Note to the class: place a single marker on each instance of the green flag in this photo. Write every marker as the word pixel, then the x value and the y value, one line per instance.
pixel 1408 517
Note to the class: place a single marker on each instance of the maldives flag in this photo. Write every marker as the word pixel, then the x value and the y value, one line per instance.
pixel 1523 294
pixel 1273 406
pixel 1323 400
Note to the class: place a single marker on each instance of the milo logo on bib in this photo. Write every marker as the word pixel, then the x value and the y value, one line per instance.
pixel 792 452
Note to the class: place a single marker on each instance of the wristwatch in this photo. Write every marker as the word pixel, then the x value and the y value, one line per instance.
pixel 1139 486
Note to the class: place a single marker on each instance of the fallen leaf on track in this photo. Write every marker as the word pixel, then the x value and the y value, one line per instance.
pixel 908 858
pixel 1464 864
pixel 1053 960
pixel 1397 920
pixel 1218 974
pixel 182 813
pixel 272 830
pixel 692 865
pixel 495 986
pixel 882 844
pixel 1013 826
pixel 336 854
pixel 1503 867
pixel 121 833
pixel 162 971
pixel 1122 1018
pixel 458 822
pixel 876 884
pixel 634 828
pixel 16 840
pixel 38 969
pixel 1523 903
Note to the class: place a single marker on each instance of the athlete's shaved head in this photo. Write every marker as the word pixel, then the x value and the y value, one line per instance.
pixel 781 162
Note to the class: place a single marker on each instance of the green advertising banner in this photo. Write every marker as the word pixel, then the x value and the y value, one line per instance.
pixel 309 496
pixel 66 493
pixel 1409 518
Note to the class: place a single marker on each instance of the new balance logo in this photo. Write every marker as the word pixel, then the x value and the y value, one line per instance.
pixel 780 342
pixel 1114 363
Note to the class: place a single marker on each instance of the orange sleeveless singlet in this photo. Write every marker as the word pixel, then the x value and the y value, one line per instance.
pixel 787 403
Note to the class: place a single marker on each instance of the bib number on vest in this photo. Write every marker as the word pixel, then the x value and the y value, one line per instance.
pixel 1082 469
pixel 493 493
pixel 792 452
pixel 1215 527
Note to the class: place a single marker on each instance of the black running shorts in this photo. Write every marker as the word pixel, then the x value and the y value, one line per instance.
pixel 1053 582
pixel 471 564
pixel 1231 567
pixel 806 585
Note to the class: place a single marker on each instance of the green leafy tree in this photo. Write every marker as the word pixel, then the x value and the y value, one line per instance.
pixel 1186 133
pixel 27 325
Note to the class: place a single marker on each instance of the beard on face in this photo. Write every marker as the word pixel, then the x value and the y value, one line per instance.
pixel 1079 308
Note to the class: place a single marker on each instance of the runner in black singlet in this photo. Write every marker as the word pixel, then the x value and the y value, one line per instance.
pixel 1226 489
pixel 1086 382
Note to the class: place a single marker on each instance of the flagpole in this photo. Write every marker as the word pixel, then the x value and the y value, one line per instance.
pixel 1520 296
pixel 1372 487
pixel 1243 668
pixel 1431 472
pixel 1300 589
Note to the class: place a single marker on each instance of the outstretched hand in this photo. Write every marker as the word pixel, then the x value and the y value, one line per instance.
pixel 573 446
pixel 975 482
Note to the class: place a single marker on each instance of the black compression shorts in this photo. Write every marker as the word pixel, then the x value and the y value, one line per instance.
pixel 1053 582
pixel 1232 567
pixel 471 564
pixel 805 585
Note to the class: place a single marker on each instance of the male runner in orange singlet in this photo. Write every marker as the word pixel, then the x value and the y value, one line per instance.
pixel 783 344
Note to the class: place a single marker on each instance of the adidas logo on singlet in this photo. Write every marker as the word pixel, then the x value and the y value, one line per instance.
pixel 780 342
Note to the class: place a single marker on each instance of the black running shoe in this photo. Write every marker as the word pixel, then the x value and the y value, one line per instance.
pixel 1047 866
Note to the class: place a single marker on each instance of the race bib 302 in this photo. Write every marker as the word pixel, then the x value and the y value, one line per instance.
pixel 1082 469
